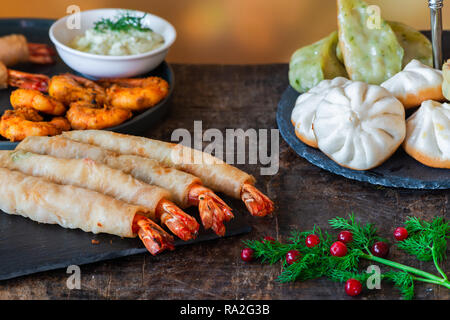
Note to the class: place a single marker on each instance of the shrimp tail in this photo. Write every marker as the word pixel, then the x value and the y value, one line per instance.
pixel 256 202
pixel 181 224
pixel 41 53
pixel 28 80
pixel 153 236
pixel 213 210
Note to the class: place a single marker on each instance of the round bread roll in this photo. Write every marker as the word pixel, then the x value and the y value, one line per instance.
pixel 428 135
pixel 359 125
pixel 446 84
pixel 416 84
pixel 305 109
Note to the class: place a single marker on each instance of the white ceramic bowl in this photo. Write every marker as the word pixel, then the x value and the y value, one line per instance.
pixel 102 66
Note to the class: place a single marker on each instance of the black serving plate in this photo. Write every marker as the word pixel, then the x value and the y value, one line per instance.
pixel 28 247
pixel 36 30
pixel 400 170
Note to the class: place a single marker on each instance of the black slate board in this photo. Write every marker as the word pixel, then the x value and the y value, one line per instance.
pixel 400 170
pixel 28 247
pixel 36 30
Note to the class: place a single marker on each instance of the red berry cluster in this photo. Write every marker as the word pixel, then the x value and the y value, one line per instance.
pixel 353 287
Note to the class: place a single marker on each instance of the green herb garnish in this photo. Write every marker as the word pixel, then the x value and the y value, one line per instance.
pixel 426 240
pixel 123 23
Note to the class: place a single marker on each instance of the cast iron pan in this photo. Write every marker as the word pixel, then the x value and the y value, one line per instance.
pixel 400 170
pixel 36 30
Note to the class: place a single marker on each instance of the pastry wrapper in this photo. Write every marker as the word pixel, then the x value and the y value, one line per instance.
pixel 70 207
pixel 214 173
pixel 147 170
pixel 86 173
pixel 13 49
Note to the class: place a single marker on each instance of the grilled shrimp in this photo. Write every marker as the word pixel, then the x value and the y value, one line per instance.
pixel 68 88
pixel 83 115
pixel 18 124
pixel 29 98
pixel 136 94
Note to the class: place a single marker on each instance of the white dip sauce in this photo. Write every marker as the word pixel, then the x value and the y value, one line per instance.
pixel 117 43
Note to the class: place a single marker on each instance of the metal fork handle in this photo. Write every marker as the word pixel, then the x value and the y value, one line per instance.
pixel 436 31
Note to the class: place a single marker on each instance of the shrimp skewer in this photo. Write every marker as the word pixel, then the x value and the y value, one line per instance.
pixel 214 173
pixel 186 189
pixel 47 202
pixel 86 173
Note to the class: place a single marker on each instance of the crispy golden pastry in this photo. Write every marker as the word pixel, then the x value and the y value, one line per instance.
pixel 95 176
pixel 29 98
pixel 186 190
pixel 77 208
pixel 18 124
pixel 214 173
pixel 86 173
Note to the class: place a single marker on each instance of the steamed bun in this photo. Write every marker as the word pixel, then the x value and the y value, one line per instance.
pixel 305 109
pixel 446 84
pixel 359 125
pixel 428 134
pixel 416 84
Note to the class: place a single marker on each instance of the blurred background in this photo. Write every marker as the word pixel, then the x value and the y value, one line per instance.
pixel 236 31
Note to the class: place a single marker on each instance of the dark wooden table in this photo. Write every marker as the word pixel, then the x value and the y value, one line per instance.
pixel 244 97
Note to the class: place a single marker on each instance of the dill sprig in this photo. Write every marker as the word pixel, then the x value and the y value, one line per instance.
pixel 122 22
pixel 427 241
pixel 363 235
pixel 403 281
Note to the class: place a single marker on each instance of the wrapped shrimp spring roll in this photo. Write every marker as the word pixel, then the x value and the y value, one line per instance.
pixel 215 173
pixel 186 189
pixel 95 176
pixel 13 49
pixel 72 207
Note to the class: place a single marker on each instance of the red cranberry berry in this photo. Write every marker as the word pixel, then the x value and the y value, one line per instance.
pixel 338 249
pixel 345 236
pixel 400 234
pixel 353 287
pixel 292 256
pixel 312 240
pixel 380 249
pixel 268 239
pixel 247 254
